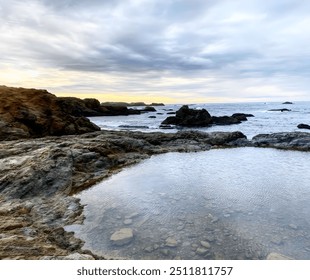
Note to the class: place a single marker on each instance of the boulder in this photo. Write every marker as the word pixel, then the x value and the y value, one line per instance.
pixel 287 103
pixel 148 109
pixel 190 117
pixel 225 120
pixel 122 237
pixel 303 126
pixel 241 116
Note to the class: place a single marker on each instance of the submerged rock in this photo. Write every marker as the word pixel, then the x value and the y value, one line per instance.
pixel 277 256
pixel 122 237
pixel 171 242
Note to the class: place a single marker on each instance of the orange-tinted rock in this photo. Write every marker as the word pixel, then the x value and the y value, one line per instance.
pixel 26 113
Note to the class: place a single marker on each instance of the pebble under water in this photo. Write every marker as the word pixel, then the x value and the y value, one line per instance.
pixel 240 203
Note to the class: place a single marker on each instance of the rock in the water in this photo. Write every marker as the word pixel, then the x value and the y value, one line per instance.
pixel 127 222
pixel 148 109
pixel 122 237
pixel 303 126
pixel 277 256
pixel 225 120
pixel 171 242
pixel 283 140
pixel 189 117
pixel 287 102
pixel 241 116
pixel 201 251
pixel 205 244
pixel 194 117
pixel 280 110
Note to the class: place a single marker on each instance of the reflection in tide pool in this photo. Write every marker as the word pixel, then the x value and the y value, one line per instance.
pixel 241 203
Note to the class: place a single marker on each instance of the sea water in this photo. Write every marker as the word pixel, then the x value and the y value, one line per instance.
pixel 264 121
pixel 239 203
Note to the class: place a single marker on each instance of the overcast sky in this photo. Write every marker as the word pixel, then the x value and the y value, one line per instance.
pixel 177 51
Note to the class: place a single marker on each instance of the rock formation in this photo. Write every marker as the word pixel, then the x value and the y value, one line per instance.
pixel 26 113
pixel 280 110
pixel 303 126
pixel 38 175
pixel 199 118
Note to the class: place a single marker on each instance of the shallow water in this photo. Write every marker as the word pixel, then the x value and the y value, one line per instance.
pixel 240 203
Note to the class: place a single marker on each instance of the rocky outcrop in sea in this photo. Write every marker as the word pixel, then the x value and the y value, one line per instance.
pixel 188 117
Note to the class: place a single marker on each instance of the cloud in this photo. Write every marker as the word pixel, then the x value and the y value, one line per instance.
pixel 135 40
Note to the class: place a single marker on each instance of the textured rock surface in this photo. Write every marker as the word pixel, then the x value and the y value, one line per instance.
pixel 26 113
pixel 37 177
pixel 283 140
pixel 194 117
pixel 122 237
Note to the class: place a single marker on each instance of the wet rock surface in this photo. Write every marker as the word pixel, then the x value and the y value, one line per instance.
pixel 283 140
pixel 37 177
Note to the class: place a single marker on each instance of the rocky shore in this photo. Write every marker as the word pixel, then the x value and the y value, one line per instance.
pixel 49 151
pixel 38 177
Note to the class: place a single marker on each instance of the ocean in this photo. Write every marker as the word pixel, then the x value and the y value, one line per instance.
pixel 238 203
pixel 264 121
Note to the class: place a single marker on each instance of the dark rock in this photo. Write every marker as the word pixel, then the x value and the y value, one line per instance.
pixel 190 117
pixel 241 116
pixel 193 117
pixel 119 111
pixel 170 113
pixel 287 103
pixel 152 117
pixel 133 126
pixel 303 126
pixel 157 104
pixel 148 109
pixel 280 110
pixel 166 126
pixel 283 140
pixel 225 120
pixel 170 120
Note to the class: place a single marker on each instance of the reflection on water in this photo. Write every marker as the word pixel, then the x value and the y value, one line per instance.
pixel 238 203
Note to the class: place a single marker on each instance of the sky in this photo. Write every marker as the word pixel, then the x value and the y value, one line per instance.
pixel 172 51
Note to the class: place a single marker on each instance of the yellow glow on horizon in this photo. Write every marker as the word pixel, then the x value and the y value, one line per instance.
pixel 126 97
